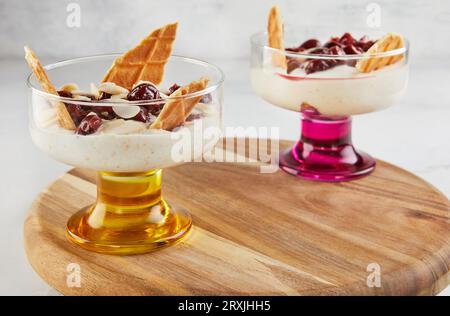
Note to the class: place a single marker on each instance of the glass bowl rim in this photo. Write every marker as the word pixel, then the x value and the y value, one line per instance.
pixel 108 102
pixel 256 36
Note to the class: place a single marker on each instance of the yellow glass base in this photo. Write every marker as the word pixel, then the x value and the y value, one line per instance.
pixel 129 216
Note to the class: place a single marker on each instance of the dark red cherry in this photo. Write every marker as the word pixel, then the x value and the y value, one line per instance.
pixel 347 39
pixel 352 50
pixel 336 50
pixel 316 65
pixel 77 112
pixel 65 94
pixel 335 39
pixel 293 50
pixel 173 88
pixel 90 124
pixel 332 43
pixel 154 109
pixel 293 64
pixel 311 43
pixel 364 43
pixel 320 51
pixel 144 91
pixel 105 112
pixel 143 115
pixel 105 96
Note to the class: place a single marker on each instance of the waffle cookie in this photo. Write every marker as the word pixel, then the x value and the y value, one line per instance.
pixel 146 61
pixel 388 43
pixel 178 107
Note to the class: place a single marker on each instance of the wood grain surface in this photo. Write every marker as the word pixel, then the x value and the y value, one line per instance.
pixel 260 234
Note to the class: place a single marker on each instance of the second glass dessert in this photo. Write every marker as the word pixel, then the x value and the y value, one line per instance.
pixel 328 79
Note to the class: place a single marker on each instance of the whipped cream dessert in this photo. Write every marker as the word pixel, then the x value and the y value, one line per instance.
pixel 119 138
pixel 330 86
pixel 129 122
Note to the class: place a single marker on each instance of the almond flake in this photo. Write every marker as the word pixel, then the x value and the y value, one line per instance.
pixel 81 98
pixel 126 111
pixel 94 90
pixel 111 88
pixel 119 97
pixel 69 87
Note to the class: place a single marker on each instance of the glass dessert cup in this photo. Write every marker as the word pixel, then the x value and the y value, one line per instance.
pixel 326 100
pixel 130 215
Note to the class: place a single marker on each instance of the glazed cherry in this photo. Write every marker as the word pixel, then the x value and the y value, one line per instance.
pixel 144 91
pixel 364 43
pixel 293 64
pixel 352 50
pixel 320 51
pixel 105 96
pixel 155 109
pixel 77 112
pixel 105 112
pixel 316 65
pixel 293 50
pixel 90 124
pixel 332 43
pixel 347 39
pixel 311 43
pixel 65 94
pixel 336 50
pixel 142 116
pixel 173 88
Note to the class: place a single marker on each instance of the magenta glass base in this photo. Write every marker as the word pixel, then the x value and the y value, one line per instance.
pixel 325 151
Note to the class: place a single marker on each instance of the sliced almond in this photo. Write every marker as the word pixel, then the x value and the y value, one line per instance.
pixel 119 97
pixel 81 97
pixel 111 88
pixel 126 111
pixel 94 90
pixel 121 126
pixel 69 87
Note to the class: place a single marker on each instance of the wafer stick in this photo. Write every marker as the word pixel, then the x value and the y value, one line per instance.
pixel 64 118
pixel 275 30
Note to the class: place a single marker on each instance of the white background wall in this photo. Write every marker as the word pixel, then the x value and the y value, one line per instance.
pixel 208 28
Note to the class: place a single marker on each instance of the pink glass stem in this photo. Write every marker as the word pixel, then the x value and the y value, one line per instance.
pixel 325 151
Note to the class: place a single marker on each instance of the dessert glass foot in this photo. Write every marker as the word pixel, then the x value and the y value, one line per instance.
pixel 129 217
pixel 325 151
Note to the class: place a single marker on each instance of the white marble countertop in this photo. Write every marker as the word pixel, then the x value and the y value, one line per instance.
pixel 413 135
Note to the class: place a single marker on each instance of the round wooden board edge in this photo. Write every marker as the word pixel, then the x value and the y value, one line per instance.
pixel 39 267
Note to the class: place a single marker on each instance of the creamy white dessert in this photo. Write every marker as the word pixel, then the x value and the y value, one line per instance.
pixel 123 145
pixel 341 90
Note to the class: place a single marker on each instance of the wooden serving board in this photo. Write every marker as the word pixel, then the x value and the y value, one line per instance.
pixel 260 234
